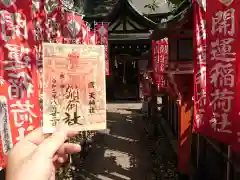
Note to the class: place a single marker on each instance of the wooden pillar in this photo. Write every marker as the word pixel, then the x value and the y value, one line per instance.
pixel 168 110
pixel 185 86
pixel 185 115
pixel 174 119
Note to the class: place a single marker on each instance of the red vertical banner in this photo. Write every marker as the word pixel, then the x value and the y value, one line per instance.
pixel 199 66
pixel 19 92
pixel 86 34
pixel 39 16
pixel 54 21
pixel 163 56
pixel 92 38
pixel 72 28
pixel 155 62
pixel 102 34
pixel 236 49
pixel 222 69
pixel 159 58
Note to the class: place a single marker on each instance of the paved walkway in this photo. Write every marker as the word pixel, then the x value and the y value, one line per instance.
pixel 119 154
pixel 123 152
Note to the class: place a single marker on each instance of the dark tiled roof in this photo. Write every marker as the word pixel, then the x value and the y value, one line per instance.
pixel 126 8
pixel 100 9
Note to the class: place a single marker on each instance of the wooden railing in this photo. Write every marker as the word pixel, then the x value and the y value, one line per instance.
pixel 213 160
pixel 210 159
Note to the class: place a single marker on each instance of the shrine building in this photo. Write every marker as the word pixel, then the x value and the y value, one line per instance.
pixel 130 28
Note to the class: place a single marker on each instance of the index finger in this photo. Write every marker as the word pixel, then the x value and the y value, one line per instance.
pixel 37 136
pixel 51 144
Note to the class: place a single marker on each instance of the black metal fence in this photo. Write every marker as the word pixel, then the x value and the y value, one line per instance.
pixel 171 114
pixel 213 160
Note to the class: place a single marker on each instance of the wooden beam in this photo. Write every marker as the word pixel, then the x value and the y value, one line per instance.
pixel 135 26
pixel 115 27
pixel 124 23
pixel 181 36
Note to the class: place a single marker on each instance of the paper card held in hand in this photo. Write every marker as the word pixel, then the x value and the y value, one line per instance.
pixel 74 86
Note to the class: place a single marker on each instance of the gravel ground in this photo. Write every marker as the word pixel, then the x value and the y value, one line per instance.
pixel 164 160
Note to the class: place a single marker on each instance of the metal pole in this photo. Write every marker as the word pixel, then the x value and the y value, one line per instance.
pixel 74 29
pixel 198 149
pixel 228 163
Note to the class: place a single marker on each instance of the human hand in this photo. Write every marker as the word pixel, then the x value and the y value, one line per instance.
pixel 37 156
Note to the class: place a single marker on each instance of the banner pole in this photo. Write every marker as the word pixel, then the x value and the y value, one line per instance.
pixel 198 149
pixel 228 163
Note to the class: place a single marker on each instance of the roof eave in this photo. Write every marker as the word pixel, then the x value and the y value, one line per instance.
pixel 172 25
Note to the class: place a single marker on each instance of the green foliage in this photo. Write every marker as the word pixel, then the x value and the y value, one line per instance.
pixel 93 7
pixel 152 6
pixel 175 2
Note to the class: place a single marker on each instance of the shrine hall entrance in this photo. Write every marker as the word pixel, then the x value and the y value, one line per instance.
pixel 129 36
pixel 123 81
pixel 125 78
